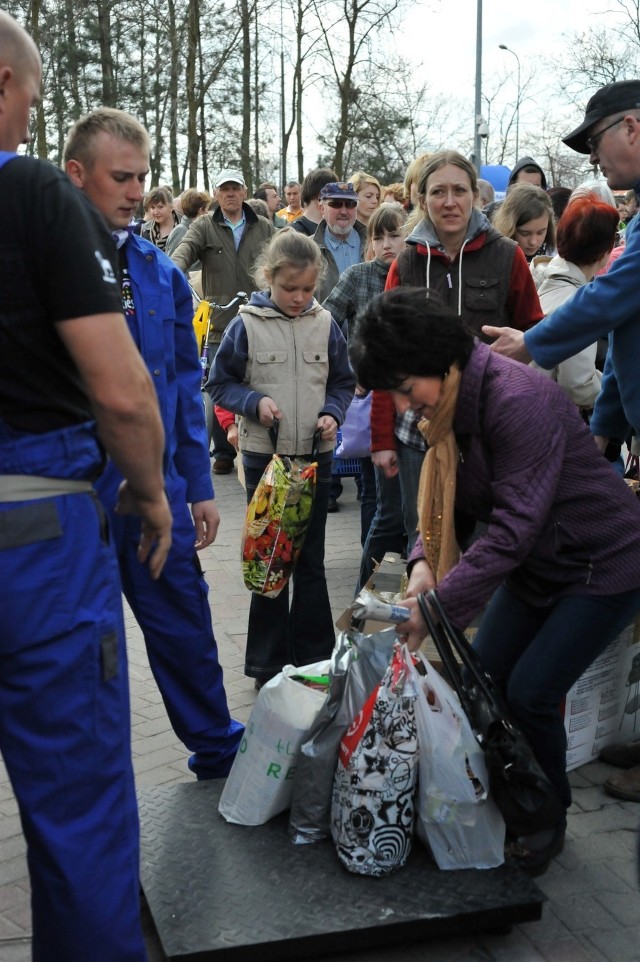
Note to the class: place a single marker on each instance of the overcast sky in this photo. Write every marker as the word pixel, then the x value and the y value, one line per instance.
pixel 446 49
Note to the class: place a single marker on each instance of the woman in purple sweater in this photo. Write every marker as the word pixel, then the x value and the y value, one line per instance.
pixel 557 564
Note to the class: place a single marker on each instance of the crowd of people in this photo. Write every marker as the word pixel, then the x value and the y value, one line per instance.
pixel 459 314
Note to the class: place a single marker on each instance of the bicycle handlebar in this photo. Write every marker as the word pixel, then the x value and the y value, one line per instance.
pixel 241 298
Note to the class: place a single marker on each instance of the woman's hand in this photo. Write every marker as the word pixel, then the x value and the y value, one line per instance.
pixel 414 631
pixel 267 411
pixel 421 579
pixel 328 427
pixel 387 461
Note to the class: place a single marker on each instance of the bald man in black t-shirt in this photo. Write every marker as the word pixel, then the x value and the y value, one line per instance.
pixel 72 385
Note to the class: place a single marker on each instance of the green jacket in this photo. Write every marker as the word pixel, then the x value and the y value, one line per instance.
pixel 225 271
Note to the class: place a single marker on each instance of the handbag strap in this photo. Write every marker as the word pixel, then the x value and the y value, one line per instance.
pixel 468 656
pixel 448 640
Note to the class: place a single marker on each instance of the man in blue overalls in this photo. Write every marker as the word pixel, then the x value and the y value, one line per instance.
pixel 66 357
pixel 107 156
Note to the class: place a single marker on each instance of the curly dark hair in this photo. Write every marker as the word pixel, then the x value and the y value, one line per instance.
pixel 407 332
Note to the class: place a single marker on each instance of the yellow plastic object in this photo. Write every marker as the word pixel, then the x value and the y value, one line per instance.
pixel 200 324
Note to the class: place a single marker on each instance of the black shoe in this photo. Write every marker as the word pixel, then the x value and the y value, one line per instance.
pixel 333 506
pixel 533 853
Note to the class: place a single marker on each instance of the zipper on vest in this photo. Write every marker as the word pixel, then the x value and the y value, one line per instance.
pixel 449 281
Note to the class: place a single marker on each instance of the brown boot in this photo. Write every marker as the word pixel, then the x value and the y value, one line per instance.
pixel 622 755
pixel 625 785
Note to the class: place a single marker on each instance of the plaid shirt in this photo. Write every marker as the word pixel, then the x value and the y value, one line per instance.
pixel 355 288
pixel 406 430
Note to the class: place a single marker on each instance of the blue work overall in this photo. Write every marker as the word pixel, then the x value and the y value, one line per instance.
pixel 64 701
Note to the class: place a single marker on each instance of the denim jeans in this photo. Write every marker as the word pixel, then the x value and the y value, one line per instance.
pixel 368 497
pixel 537 654
pixel 280 635
pixel 410 462
pixel 386 532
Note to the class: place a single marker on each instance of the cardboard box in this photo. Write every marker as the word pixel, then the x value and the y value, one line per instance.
pixel 603 707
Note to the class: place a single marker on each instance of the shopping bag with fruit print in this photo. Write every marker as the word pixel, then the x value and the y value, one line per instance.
pixel 276 523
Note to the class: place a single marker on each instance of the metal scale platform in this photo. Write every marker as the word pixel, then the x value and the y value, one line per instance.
pixel 227 893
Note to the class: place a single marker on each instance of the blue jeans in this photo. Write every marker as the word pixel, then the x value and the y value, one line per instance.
pixel 386 532
pixel 537 654
pixel 368 497
pixel 410 462
pixel 278 635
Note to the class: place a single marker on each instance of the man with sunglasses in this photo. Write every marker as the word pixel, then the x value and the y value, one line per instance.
pixel 610 135
pixel 339 236
pixel 342 240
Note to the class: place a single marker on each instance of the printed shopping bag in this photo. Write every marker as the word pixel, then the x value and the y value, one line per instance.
pixel 260 782
pixel 276 524
pixel 372 809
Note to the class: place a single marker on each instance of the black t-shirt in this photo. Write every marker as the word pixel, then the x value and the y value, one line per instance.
pixel 57 262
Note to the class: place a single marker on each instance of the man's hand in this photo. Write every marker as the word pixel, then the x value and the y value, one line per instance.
pixel 207 521
pixel 328 427
pixel 509 342
pixel 387 461
pixel 155 537
pixel 267 411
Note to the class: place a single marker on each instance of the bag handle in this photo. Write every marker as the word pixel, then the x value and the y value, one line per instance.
pixel 448 640
pixel 274 430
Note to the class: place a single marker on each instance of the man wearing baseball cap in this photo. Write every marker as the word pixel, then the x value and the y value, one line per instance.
pixel 339 236
pixel 227 241
pixel 610 134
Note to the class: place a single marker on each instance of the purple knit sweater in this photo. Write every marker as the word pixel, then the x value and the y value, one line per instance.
pixel 559 520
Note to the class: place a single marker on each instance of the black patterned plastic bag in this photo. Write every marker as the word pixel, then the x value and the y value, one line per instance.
pixel 372 812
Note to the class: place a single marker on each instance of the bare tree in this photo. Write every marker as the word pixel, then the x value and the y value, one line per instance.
pixel 348 30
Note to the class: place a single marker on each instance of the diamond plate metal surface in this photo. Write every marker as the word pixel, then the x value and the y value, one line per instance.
pixel 219 892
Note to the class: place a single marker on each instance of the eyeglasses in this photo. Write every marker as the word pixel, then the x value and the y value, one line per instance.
pixel 337 204
pixel 593 141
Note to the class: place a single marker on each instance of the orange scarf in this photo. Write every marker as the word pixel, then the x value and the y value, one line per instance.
pixel 437 490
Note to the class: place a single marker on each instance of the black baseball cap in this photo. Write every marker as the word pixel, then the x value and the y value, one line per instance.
pixel 622 95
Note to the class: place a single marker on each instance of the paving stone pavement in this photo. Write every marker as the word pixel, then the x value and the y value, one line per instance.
pixel 593 908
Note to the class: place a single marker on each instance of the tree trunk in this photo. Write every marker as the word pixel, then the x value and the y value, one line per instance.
pixel 106 56
pixel 245 136
pixel 193 45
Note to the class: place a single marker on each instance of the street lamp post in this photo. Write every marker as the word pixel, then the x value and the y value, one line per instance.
pixel 503 46
pixel 478 104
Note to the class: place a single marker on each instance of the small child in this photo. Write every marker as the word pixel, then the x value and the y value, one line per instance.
pixel 284 357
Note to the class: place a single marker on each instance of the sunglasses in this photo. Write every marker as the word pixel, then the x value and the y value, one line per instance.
pixel 337 204
pixel 593 141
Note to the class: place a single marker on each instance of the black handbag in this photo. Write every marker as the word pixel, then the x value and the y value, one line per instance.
pixel 521 790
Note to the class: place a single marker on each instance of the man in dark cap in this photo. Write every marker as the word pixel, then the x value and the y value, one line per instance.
pixel 610 134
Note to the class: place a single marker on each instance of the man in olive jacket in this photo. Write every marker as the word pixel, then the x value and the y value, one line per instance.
pixel 227 242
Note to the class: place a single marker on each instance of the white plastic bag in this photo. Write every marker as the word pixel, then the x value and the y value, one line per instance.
pixel 456 818
pixel 260 783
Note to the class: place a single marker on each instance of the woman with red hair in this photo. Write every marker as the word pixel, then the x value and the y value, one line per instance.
pixel 586 233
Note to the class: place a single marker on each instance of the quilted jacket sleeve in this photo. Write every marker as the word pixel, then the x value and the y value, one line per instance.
pixel 524 456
